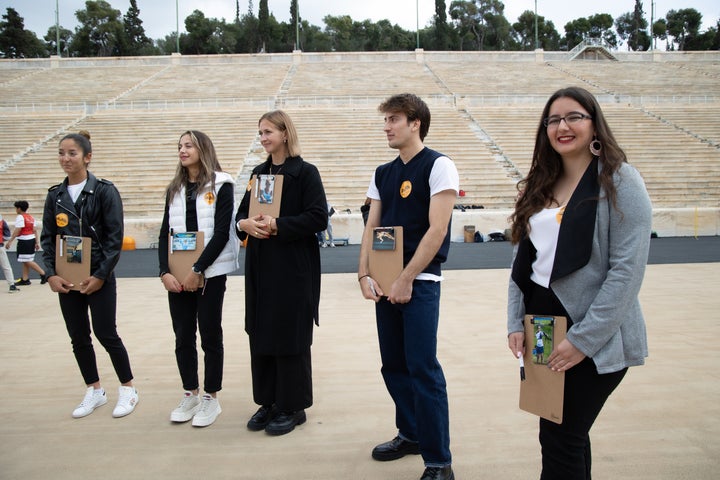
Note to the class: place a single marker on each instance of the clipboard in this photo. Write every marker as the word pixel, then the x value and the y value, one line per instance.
pixel 265 194
pixel 180 262
pixel 543 390
pixel 384 263
pixel 72 258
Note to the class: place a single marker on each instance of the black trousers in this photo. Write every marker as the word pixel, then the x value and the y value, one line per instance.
pixel 284 381
pixel 199 311
pixel 565 447
pixel 102 305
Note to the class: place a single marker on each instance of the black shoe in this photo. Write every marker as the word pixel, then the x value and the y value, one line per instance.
pixel 262 417
pixel 438 473
pixel 43 279
pixel 20 282
pixel 285 422
pixel 394 449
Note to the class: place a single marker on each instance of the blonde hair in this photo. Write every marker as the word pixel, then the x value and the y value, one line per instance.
pixel 284 123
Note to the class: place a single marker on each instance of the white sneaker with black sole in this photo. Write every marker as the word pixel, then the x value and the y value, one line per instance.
pixel 208 412
pixel 93 399
pixel 127 400
pixel 188 407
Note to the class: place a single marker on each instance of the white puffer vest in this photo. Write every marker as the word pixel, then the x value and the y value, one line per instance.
pixel 227 261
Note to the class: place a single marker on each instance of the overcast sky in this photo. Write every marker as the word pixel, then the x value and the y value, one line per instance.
pixel 159 16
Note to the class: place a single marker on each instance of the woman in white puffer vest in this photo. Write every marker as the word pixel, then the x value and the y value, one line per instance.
pixel 199 198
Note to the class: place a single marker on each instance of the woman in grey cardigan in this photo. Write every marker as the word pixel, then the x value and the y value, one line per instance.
pixel 581 229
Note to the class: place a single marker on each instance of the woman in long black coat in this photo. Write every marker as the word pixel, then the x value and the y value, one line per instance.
pixel 282 280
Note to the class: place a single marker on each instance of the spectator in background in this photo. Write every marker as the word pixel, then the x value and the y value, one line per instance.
pixel 28 242
pixel 365 210
pixel 4 260
pixel 327 235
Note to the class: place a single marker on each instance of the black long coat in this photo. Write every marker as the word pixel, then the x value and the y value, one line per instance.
pixel 282 273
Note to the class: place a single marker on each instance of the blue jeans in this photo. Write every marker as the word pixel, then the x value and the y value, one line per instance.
pixel 412 373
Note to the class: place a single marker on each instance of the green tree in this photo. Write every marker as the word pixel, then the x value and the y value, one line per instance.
pixel 51 39
pixel 495 27
pixel 100 33
pixel 384 36
pixel 314 39
pixel 659 30
pixel 207 35
pixel 708 40
pixel 632 27
pixel 481 24
pixel 683 24
pixel 597 26
pixel 464 14
pixel 340 31
pixel 135 42
pixel 248 38
pixel 524 32
pixel 15 41
pixel 442 29
pixel 295 25
pixel 167 45
pixel 264 24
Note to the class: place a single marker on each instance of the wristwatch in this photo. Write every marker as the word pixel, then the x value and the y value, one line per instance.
pixel 195 270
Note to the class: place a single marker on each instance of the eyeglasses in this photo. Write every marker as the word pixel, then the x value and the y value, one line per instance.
pixel 570 119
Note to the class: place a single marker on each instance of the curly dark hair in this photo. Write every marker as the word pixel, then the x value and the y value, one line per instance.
pixel 536 189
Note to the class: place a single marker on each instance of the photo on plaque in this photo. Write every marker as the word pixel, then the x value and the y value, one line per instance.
pixel 73 249
pixel 543 329
pixel 184 241
pixel 383 238
pixel 265 188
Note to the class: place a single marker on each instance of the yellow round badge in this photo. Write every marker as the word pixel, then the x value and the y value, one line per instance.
pixel 61 219
pixel 209 198
pixel 405 189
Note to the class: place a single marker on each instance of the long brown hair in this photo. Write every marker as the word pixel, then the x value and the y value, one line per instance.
pixel 209 164
pixel 536 189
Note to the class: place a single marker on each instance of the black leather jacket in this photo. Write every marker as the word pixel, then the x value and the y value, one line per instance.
pixel 98 214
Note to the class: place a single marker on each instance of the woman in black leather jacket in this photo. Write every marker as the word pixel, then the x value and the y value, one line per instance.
pixel 85 206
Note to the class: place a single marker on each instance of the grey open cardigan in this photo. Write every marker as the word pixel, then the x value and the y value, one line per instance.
pixel 598 270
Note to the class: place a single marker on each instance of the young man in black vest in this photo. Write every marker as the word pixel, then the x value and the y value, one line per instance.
pixel 417 191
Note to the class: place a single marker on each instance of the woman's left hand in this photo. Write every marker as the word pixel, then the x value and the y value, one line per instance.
pixel 192 282
pixel 255 227
pixel 564 357
pixel 91 285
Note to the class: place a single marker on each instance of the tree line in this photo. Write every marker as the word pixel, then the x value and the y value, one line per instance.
pixel 466 25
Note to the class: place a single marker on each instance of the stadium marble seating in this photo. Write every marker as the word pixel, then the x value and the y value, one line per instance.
pixel 485 110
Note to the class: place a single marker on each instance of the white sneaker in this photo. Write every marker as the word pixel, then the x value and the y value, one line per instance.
pixel 208 412
pixel 93 399
pixel 127 400
pixel 189 405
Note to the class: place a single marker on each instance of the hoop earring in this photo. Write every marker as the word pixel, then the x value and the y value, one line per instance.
pixel 595 147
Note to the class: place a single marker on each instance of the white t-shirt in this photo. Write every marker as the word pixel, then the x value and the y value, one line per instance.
pixel 544 232
pixel 443 176
pixel 74 190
